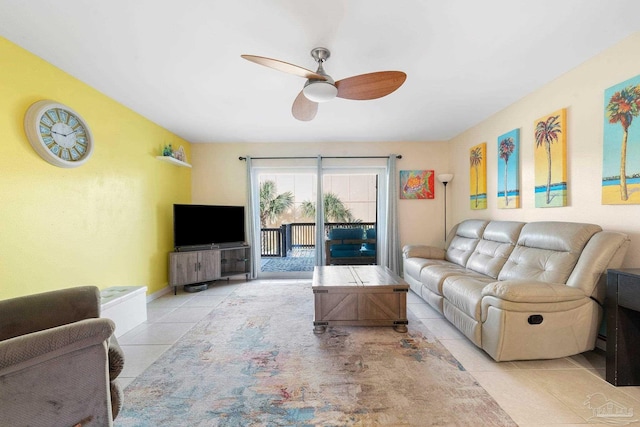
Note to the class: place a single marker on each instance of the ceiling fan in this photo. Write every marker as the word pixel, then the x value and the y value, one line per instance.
pixel 320 87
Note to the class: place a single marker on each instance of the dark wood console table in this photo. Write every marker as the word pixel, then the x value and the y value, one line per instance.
pixel 623 326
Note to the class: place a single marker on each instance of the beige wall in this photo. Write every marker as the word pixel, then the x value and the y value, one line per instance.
pixel 581 92
pixel 219 177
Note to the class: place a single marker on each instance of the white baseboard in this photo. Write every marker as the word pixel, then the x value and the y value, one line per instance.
pixel 159 293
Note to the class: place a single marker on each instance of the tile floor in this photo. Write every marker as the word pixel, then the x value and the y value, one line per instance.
pixel 533 393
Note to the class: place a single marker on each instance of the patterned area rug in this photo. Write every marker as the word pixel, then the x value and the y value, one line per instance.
pixel 255 361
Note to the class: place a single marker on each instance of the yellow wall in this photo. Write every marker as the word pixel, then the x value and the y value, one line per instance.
pixel 106 223
pixel 581 92
pixel 219 177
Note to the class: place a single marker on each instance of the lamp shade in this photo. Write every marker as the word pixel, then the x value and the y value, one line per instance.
pixel 445 177
pixel 319 91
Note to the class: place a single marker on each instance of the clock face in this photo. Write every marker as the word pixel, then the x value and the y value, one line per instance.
pixel 58 134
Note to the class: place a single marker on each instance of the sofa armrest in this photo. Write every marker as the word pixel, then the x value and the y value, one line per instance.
pixel 532 291
pixel 116 358
pixel 423 251
pixel 20 352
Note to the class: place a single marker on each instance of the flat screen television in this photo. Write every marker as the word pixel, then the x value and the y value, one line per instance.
pixel 203 225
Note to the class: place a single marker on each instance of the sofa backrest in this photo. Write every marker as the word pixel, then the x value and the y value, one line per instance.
pixel 495 246
pixel 547 251
pixel 605 250
pixel 466 236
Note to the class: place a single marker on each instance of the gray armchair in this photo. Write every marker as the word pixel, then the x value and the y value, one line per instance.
pixel 58 361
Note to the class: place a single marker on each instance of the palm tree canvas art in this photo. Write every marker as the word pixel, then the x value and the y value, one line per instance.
pixel 478 176
pixel 509 170
pixel 621 144
pixel 550 136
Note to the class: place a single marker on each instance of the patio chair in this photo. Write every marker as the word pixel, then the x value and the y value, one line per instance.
pixel 350 246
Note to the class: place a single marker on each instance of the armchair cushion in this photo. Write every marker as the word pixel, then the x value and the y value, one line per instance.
pixel 58 360
pixel 50 309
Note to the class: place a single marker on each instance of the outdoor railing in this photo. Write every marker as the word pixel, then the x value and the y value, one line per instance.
pixel 276 242
pixel 271 240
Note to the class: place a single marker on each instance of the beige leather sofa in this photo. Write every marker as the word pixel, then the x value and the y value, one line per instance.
pixel 58 361
pixel 519 291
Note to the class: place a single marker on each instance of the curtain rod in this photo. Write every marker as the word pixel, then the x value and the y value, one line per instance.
pixel 398 156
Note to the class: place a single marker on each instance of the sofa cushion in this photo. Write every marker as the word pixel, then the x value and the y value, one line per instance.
pixel 465 293
pixel 493 250
pixel 433 276
pixel 532 291
pixel 413 266
pixel 467 235
pixel 547 251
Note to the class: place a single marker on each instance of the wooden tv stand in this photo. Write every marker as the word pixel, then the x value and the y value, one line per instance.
pixel 207 265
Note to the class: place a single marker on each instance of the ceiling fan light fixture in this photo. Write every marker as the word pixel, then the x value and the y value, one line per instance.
pixel 319 91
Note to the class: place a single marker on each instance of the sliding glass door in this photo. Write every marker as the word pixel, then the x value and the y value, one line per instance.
pixel 287 222
pixel 289 239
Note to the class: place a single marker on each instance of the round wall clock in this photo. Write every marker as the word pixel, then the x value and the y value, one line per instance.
pixel 58 134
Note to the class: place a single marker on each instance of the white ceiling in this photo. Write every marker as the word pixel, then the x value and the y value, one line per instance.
pixel 178 62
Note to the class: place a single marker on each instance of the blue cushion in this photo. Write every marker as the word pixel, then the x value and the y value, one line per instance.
pixel 345 253
pixel 345 233
pixel 343 250
pixel 367 252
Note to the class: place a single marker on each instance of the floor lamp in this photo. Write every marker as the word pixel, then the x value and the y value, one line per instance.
pixel 445 178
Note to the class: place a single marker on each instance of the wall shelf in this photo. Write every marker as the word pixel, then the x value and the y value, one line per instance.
pixel 174 161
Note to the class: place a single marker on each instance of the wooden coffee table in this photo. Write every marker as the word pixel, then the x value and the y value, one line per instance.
pixel 365 295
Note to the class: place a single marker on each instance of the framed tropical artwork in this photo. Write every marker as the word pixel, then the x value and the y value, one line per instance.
pixel 416 184
pixel 509 170
pixel 621 144
pixel 550 154
pixel 478 176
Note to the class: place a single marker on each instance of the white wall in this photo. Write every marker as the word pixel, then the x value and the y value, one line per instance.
pixel 581 92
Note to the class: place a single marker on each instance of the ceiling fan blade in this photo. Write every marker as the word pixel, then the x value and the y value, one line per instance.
pixel 303 109
pixel 284 66
pixel 370 86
